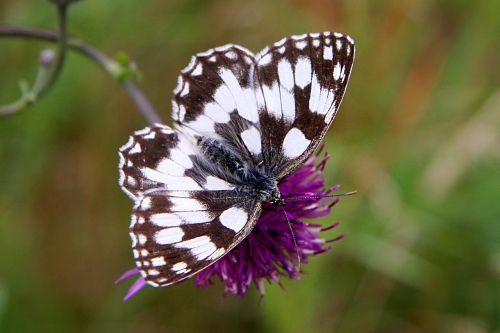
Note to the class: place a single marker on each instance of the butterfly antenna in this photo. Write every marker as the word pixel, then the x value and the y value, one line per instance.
pixel 293 236
pixel 301 197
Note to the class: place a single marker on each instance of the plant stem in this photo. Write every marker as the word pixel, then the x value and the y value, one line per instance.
pixel 48 71
pixel 107 64
pixel 61 52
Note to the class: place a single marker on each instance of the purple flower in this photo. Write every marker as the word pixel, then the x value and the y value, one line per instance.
pixel 272 250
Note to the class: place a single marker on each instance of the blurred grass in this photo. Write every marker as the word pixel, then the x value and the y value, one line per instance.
pixel 417 135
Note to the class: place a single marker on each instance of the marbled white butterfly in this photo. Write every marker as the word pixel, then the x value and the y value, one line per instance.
pixel 242 122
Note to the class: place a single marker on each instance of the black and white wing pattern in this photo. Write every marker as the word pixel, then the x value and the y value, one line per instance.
pixel 175 234
pixel 184 217
pixel 215 97
pixel 299 82
pixel 242 122
pixel 155 158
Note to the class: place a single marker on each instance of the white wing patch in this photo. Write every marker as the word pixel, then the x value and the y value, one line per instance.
pixel 202 252
pixel 169 236
pixel 215 112
pixel 303 72
pixel 217 184
pixel 224 96
pixel 234 218
pixel 322 98
pixel 166 220
pixel 336 71
pixel 252 140
pixel 171 182
pixel 249 111
pixel 285 73
pixel 295 143
pixel 203 125
pixel 179 218
pixel 136 149
pixel 158 261
pixel 287 84
pixel 186 205
pixel 168 167
pixel 328 53
pixel 179 266
pixel 200 247
pixel 271 102
pixel 243 99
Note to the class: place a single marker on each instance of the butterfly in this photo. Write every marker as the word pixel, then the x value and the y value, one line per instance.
pixel 242 123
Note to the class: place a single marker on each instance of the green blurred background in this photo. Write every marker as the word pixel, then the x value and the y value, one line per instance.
pixel 418 136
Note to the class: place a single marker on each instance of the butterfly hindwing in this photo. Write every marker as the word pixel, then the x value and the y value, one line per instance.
pixel 176 234
pixel 299 82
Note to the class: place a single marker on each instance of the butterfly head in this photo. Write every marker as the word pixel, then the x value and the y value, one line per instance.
pixel 276 198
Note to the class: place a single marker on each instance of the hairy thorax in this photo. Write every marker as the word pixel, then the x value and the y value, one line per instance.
pixel 251 180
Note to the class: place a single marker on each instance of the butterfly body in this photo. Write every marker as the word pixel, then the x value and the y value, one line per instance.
pixel 243 122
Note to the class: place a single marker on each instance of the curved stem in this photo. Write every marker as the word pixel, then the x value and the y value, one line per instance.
pixel 48 71
pixel 61 52
pixel 107 64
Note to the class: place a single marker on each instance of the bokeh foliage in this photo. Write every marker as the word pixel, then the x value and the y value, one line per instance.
pixel 418 135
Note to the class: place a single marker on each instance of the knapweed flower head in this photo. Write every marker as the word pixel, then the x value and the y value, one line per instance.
pixel 281 240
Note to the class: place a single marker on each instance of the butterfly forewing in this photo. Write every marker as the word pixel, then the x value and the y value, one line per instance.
pixel 176 234
pixel 215 98
pixel 161 158
pixel 299 82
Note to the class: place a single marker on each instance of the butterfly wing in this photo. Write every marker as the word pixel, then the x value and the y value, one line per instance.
pixel 155 157
pixel 215 98
pixel 273 108
pixel 159 157
pixel 184 217
pixel 177 234
pixel 299 83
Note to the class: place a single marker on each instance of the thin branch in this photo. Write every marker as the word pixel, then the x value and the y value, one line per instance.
pixel 48 70
pixel 61 52
pixel 141 101
pixel 109 65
